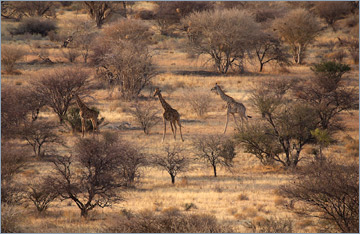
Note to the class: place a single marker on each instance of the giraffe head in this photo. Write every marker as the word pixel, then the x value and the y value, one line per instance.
pixel 215 88
pixel 157 91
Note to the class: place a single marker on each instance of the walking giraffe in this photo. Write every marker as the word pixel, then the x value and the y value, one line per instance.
pixel 232 106
pixel 170 115
pixel 86 113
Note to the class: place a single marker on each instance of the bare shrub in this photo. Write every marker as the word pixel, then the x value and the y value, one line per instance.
pixel 271 225
pixel 13 159
pixel 124 65
pixel 100 12
pixel 19 105
pixel 132 160
pixel 199 102
pixel 70 54
pixel 58 86
pixel 332 11
pixel 215 150
pixel 34 25
pixel 145 15
pixel 172 160
pixel 41 195
pixel 33 9
pixel 131 30
pixel 10 219
pixel 10 54
pixel 171 222
pixel 331 189
pixel 146 116
pixel 298 28
pixel 225 35
pixel 170 13
pixel 81 37
pixel 96 180
pixel 38 134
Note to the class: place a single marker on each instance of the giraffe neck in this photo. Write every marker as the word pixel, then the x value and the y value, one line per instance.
pixel 81 105
pixel 164 104
pixel 223 96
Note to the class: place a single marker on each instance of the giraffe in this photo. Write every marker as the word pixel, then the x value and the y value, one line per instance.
pixel 170 115
pixel 232 106
pixel 86 113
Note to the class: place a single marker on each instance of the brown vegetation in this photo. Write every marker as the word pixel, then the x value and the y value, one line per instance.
pixel 292 167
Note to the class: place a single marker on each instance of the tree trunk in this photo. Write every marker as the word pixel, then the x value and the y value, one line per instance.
pixel 84 212
pixel 172 179
pixel 214 166
pixel 261 66
pixel 98 23
pixel 299 55
pixel 39 151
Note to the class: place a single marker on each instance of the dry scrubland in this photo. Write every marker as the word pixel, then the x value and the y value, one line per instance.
pixel 247 193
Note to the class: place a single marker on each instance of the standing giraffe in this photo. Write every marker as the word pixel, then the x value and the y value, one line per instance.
pixel 232 106
pixel 170 115
pixel 86 113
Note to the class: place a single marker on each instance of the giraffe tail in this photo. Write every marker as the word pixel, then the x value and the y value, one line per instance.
pixel 249 116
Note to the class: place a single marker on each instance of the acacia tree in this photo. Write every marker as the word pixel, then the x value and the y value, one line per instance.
pixel 332 11
pixel 126 66
pixel 122 57
pixel 58 86
pixel 298 29
pixel 21 9
pixel 328 188
pixel 170 13
pixel 19 106
pixel 132 161
pixel 225 35
pixel 37 134
pixel 285 128
pixel 328 93
pixel 173 161
pixel 215 150
pixel 13 160
pixel 10 54
pixel 41 195
pixel 268 48
pixel 93 176
pixel 100 10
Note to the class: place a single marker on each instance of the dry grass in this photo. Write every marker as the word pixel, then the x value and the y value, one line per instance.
pixel 247 193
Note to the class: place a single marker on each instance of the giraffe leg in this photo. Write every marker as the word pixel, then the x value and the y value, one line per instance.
pixel 244 117
pixel 174 123
pixel 172 128
pixel 233 114
pixel 83 126
pixel 178 122
pixel 227 120
pixel 164 130
pixel 93 121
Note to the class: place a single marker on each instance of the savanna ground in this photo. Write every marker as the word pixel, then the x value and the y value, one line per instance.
pixel 246 193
